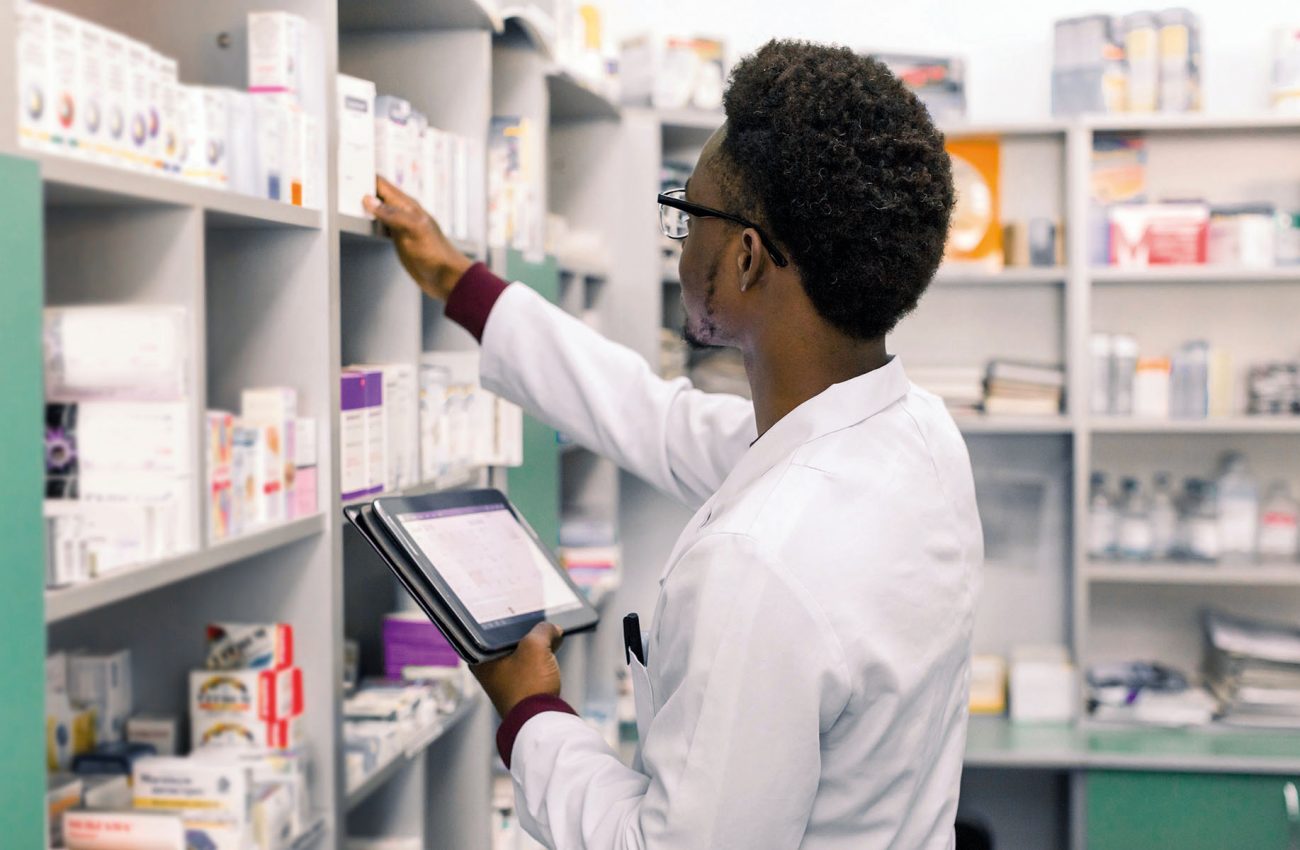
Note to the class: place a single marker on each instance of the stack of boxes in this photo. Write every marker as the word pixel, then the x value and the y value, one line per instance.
pixel 120 477
pixel 261 464
pixel 384 135
pixel 394 434
pixel 89 92
pixel 244 785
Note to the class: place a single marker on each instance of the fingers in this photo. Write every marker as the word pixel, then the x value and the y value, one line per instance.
pixel 393 196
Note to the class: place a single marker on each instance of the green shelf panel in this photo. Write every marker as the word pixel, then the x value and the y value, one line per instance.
pixel 535 486
pixel 22 567
pixel 1132 810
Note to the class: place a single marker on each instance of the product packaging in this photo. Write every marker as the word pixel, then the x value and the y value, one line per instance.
pixel 139 77
pixel 249 646
pixel 216 136
pixel 1242 235
pixel 211 798
pixel 354 475
pixel 292 160
pixel 1180 60
pixel 168 154
pixel 241 135
pixel 271 124
pixel 106 793
pixel 275 54
pixel 115 758
pixel 1141 55
pixel 1043 685
pixel 392 145
pixel 306 483
pixel 1286 69
pixel 287 768
pixel 975 237
pixel 236 732
pixel 988 684
pixel 272 410
pixel 267 695
pixel 65 88
pixel 1158 234
pixel 356 145
pixel 401 417
pixel 220 450
pixel 416 128
pixel 91 82
pixel 63 792
pixel 192 115
pixel 376 430
pixel 674 72
pixel 272 816
pixel 86 830
pixel 1151 388
pixel 411 640
pixel 36 109
pixel 103 682
pixel 136 352
pixel 117 97
pixel 157 731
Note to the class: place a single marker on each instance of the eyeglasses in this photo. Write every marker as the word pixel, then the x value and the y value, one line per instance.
pixel 675 214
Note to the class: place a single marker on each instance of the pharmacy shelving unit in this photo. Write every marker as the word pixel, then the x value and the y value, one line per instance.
pixel 1035 783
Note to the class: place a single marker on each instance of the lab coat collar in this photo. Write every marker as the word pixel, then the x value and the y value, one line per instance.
pixel 834 408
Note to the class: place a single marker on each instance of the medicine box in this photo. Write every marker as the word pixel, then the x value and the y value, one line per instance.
pixel 354 472
pixel 271 118
pixel 275 54
pixel 137 353
pixel 1158 234
pixel 392 145
pixel 114 436
pixel 287 768
pixel 272 816
pixel 220 450
pixel 376 430
pixel 63 792
pixel 401 417
pixel 1043 684
pixel 356 144
pixel 411 640
pixel 91 82
pixel 211 797
pixel 418 186
pixel 125 830
pixel 35 86
pixel 313 189
pixel 106 793
pixel 117 97
pixel 292 159
pixel 65 89
pixel 216 136
pixel 224 731
pixel 266 695
pixel 249 646
pixel 241 111
pixel 167 82
pixel 139 74
pixel 157 731
pixel 103 682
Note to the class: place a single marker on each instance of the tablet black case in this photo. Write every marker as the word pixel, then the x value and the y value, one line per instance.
pixel 362 518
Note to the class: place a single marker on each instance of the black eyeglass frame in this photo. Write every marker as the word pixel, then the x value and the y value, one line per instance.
pixel 667 200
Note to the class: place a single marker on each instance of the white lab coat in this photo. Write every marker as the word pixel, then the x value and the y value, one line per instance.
pixel 809 652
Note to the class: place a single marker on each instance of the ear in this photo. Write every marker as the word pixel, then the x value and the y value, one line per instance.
pixel 752 260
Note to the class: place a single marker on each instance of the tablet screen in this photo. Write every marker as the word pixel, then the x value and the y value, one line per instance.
pixel 490 562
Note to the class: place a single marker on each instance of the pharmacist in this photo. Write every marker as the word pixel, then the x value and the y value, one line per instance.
pixel 808 655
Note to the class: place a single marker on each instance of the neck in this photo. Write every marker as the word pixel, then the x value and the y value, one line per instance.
pixel 786 372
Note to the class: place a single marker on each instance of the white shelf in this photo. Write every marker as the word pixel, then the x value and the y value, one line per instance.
pixel 1191 122
pixel 133 581
pixel 1111 275
pixel 451 481
pixel 1232 425
pixel 1029 128
pixel 417 742
pixel 417 14
pixel 73 182
pixel 1279 574
pixel 1016 276
pixel 354 227
pixel 573 100
pixel 1014 425
pixel 690 119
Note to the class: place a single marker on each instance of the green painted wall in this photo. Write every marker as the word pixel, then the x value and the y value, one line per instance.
pixel 22 570
pixel 535 486
pixel 1187 811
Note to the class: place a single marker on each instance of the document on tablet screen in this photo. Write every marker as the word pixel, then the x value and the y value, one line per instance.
pixel 490 562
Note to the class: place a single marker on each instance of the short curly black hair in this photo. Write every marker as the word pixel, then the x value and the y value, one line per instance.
pixel 843 163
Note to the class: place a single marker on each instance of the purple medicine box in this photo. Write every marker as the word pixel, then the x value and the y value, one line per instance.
pixel 410 640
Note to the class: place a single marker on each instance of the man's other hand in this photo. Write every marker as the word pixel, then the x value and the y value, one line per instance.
pixel 530 670
pixel 426 253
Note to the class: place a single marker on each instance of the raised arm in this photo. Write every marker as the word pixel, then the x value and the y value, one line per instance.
pixel 604 395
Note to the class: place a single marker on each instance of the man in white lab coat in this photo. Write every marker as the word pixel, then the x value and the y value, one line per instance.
pixel 808 658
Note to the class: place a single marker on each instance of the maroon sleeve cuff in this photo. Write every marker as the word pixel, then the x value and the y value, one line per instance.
pixel 524 711
pixel 472 298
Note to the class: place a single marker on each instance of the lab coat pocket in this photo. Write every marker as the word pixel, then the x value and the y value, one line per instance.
pixel 643 696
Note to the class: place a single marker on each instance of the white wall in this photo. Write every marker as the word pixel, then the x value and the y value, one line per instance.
pixel 1007 43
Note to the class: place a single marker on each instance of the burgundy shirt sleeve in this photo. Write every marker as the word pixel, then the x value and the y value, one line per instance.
pixel 473 297
pixel 526 710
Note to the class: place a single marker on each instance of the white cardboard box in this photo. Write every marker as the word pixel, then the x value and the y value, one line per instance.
pixel 65 88
pixel 83 830
pixel 117 351
pixel 139 76
pixel 392 147
pixel 103 682
pixel 35 99
pixel 356 146
pixel 275 53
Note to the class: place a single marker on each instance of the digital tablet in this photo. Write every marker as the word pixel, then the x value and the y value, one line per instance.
pixel 479 567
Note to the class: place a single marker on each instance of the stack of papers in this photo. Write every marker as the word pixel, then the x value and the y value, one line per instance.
pixel 1253 667
pixel 1023 389
pixel 960 387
